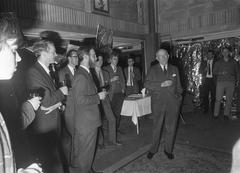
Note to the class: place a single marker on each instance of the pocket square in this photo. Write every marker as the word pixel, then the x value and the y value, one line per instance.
pixel 174 75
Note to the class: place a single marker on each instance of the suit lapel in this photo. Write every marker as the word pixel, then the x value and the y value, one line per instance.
pixel 69 72
pixel 46 76
pixel 89 77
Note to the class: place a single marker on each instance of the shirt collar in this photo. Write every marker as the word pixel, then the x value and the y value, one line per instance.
pixel 85 68
pixel 44 67
pixel 71 69
pixel 162 66
pixel 113 67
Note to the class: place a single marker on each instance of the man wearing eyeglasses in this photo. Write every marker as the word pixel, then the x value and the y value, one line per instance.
pixel 66 74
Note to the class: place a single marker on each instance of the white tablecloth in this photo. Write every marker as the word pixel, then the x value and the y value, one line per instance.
pixel 136 108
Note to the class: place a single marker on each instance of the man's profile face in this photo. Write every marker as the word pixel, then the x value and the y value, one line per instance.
pixel 51 53
pixel 99 63
pixel 162 56
pixel 114 60
pixel 8 58
pixel 92 55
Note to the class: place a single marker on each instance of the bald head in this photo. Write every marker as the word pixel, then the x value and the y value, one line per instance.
pixel 162 56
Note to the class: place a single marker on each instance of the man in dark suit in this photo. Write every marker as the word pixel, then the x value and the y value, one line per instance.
pixel 208 82
pixel 66 74
pixel 133 77
pixel 164 86
pixel 82 117
pixel 117 86
pixel 45 128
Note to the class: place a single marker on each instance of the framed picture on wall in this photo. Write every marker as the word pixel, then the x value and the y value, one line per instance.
pixel 101 7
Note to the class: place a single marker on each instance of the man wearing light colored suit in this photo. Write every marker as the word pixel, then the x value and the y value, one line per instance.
pixel 82 117
pixel 66 74
pixel 132 76
pixel 45 127
pixel 163 84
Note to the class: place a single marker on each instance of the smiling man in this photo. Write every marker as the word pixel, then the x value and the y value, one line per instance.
pixel 163 84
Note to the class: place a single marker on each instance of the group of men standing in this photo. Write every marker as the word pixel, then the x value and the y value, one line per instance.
pixel 87 92
pixel 220 77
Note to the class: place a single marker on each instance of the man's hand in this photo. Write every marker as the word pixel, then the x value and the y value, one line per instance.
pixel 35 102
pixel 33 168
pixel 64 90
pixel 102 95
pixel 115 78
pixel 51 108
pixel 166 83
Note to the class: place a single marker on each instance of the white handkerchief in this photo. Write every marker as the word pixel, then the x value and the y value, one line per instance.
pixel 174 75
pixel 143 91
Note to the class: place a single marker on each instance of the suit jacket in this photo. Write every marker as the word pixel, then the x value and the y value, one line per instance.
pixel 156 76
pixel 115 86
pixel 106 78
pixel 82 112
pixel 37 77
pixel 137 75
pixel 66 75
pixel 203 68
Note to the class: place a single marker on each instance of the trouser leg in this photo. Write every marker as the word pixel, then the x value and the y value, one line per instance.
pixel 158 119
pixel 206 95
pixel 111 121
pixel 212 88
pixel 171 119
pixel 219 95
pixel 116 105
pixel 229 96
pixel 84 153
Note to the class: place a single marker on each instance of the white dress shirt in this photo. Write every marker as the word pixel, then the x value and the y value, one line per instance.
pixel 162 66
pixel 114 68
pixel 71 69
pixel 130 79
pixel 209 73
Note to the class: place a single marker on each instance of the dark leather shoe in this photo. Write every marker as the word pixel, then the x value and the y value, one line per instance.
pixel 117 143
pixel 225 117
pixel 121 132
pixel 150 155
pixel 170 156
pixel 113 144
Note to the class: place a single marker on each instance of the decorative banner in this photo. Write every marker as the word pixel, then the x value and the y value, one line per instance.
pixel 104 38
pixel 190 56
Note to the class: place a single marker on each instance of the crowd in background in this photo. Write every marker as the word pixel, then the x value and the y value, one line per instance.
pixel 54 116
pixel 220 84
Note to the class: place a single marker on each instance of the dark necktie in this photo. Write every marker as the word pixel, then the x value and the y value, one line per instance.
pixel 164 70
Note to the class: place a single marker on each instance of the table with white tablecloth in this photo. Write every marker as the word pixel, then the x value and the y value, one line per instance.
pixel 136 106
